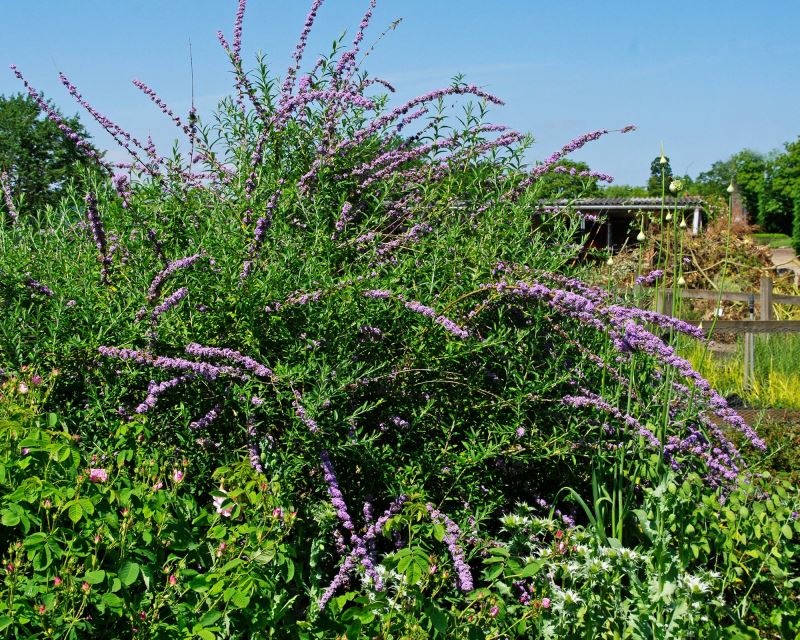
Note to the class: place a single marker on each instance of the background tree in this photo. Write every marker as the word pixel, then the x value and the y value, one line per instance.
pixel 624 191
pixel 785 184
pixel 657 170
pixel 38 160
pixel 796 227
pixel 562 183
pixel 746 168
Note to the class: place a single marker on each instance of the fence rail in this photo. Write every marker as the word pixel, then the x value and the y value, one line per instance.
pixel 747 328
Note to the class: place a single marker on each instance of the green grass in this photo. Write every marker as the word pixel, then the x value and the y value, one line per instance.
pixel 773 240
pixel 777 371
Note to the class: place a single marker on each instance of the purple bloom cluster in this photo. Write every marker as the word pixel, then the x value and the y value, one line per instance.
pixel 217 353
pixel 150 93
pixel 237 31
pixel 344 217
pixel 120 136
pixel 589 399
pixel 206 420
pixel 378 293
pixel 418 307
pixel 413 234
pixel 99 234
pixel 5 185
pixel 199 369
pixel 590 306
pixel 370 332
pixel 262 226
pixel 291 74
pixel 451 535
pixel 360 547
pixel 659 319
pixel 38 287
pixel 337 500
pixel 169 302
pixel 300 411
pixel 87 148
pixel 347 60
pixel 155 390
pixel 254 454
pixel 649 278
pixel 154 289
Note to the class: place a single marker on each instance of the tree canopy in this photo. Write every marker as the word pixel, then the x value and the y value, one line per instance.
pixel 657 170
pixel 37 159
pixel 562 183
pixel 768 183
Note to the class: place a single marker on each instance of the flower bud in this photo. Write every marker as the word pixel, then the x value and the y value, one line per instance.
pixel 662 160
pixel 641 236
pixel 681 281
pixel 730 188
pixel 610 261
pixel 668 217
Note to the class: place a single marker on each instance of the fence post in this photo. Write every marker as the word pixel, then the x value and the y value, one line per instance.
pixel 765 298
pixel 664 302
pixel 749 351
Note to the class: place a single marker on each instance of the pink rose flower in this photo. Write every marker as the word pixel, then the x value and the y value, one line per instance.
pixel 98 475
pixel 226 512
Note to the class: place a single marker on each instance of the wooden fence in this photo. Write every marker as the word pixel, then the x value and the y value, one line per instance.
pixel 765 324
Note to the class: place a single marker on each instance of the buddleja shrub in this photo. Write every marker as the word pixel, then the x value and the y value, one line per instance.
pixel 364 301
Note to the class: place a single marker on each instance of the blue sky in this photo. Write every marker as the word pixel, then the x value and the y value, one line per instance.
pixel 707 78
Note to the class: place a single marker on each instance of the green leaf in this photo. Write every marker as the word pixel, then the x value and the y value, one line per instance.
pixel 231 564
pixel 217 532
pixel 493 572
pixel 786 530
pixel 86 505
pixel 128 573
pixel 209 618
pixel 113 600
pixel 438 618
pixel 198 583
pixel 240 600
pixel 532 568
pixel 75 511
pixel 413 565
pixel 95 577
pixel 10 519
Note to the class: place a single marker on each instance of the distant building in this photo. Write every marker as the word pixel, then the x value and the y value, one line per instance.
pixel 612 223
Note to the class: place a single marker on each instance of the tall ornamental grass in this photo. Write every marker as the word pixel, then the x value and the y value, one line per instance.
pixel 324 369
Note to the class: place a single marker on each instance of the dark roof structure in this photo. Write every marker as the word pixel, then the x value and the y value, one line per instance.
pixel 614 223
pixel 628 205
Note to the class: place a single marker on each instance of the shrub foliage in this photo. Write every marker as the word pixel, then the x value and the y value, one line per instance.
pixel 289 381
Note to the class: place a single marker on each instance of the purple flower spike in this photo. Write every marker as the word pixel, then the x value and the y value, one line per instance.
pixel 5 185
pixel 337 499
pixel 169 302
pixel 206 420
pixel 217 353
pixel 452 533
pixel 155 286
